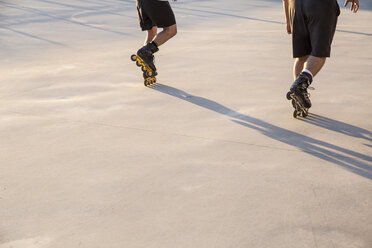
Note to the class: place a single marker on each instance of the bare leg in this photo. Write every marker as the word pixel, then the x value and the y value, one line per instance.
pixel 166 34
pixel 303 80
pixel 151 34
pixel 314 64
pixel 153 40
pixel 299 66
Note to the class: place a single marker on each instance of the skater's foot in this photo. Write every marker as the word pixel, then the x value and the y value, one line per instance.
pixel 299 88
pixel 146 54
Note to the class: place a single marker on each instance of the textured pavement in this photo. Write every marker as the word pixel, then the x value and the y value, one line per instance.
pixel 209 157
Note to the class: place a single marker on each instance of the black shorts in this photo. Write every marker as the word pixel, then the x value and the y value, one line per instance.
pixel 313 27
pixel 155 13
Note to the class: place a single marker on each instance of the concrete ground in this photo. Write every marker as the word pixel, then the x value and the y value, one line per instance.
pixel 209 157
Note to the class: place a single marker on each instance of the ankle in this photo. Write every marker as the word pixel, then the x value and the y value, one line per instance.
pixel 308 75
pixel 153 47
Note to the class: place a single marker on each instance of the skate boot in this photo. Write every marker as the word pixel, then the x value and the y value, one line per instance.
pixel 299 88
pixel 145 59
pixel 146 54
pixel 299 95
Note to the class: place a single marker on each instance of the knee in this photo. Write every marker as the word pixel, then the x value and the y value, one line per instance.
pixel 153 31
pixel 174 30
pixel 171 31
pixel 151 34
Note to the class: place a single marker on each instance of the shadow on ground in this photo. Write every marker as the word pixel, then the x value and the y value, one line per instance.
pixel 351 160
pixel 338 126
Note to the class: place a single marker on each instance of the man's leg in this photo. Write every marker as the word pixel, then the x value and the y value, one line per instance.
pixel 305 68
pixel 311 63
pixel 314 64
pixel 299 65
pixel 153 41
pixel 151 34
pixel 311 37
pixel 303 78
pixel 166 34
pixel 149 48
pixel 162 37
pixel 161 14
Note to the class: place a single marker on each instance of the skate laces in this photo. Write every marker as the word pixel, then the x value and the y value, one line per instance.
pixel 307 94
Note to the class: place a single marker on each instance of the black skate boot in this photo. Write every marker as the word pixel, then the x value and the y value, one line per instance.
pixel 299 88
pixel 146 54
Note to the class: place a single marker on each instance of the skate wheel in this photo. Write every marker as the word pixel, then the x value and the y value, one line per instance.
pixel 150 81
pixel 138 64
pixel 294 103
pixel 143 69
pixel 295 114
pixel 133 57
pixel 305 114
pixel 289 95
pixel 148 74
pixel 145 83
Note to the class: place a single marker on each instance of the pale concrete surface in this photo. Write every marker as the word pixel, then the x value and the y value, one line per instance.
pixel 210 157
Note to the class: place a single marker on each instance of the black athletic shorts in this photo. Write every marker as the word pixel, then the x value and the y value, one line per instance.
pixel 155 13
pixel 313 27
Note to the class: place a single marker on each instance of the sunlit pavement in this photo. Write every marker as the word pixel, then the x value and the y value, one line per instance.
pixel 208 157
